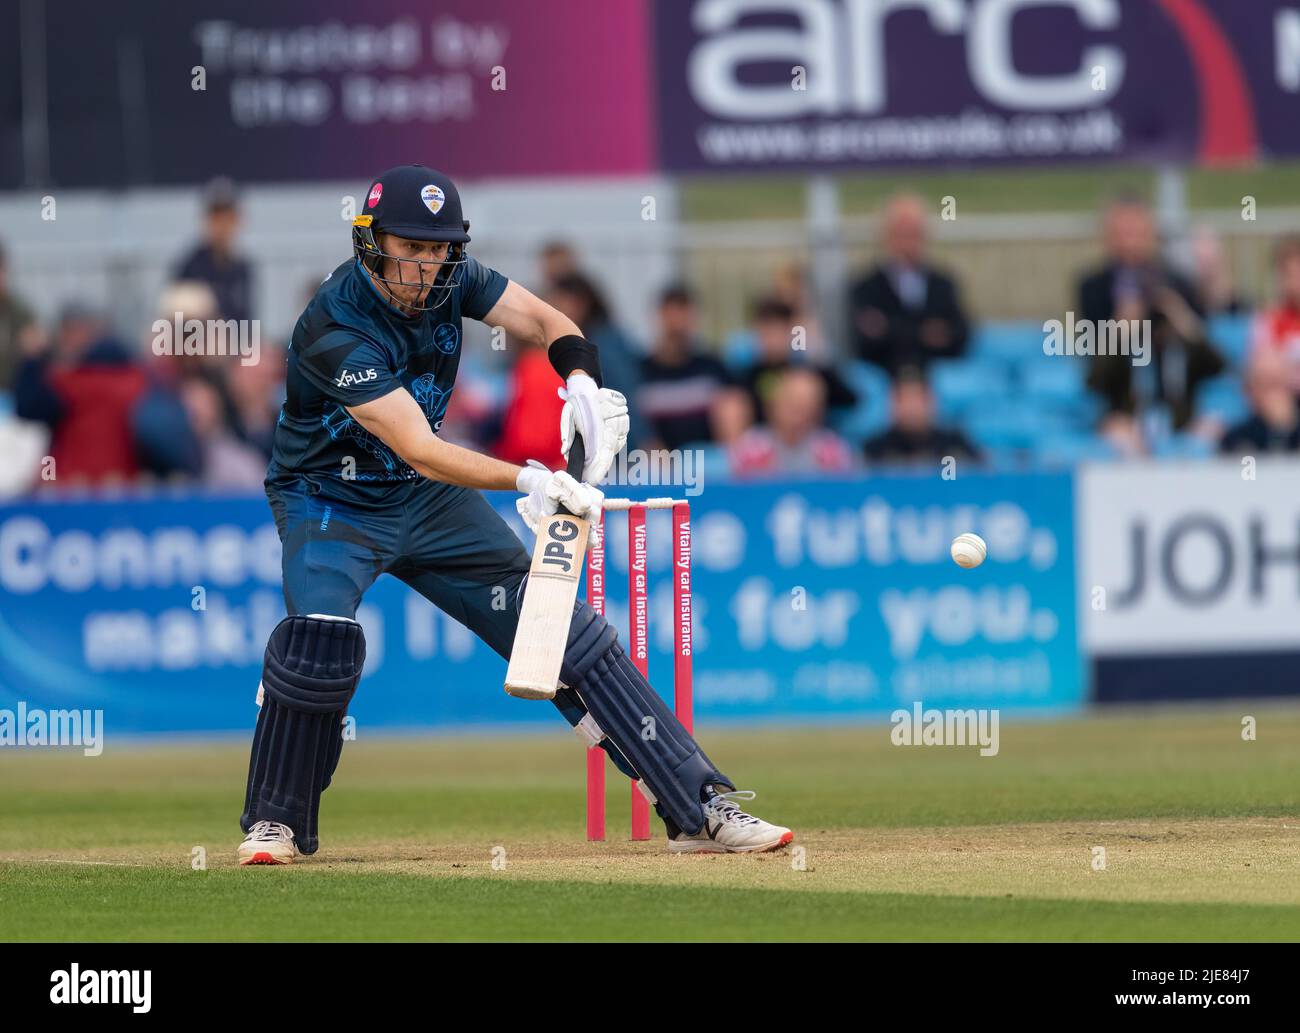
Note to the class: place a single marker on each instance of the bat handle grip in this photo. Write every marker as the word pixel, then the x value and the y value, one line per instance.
pixel 577 456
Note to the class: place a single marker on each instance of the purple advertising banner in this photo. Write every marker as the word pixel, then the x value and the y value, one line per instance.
pixel 806 84
pixel 124 94
pixel 95 94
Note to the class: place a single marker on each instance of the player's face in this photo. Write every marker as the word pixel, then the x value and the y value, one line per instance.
pixel 411 266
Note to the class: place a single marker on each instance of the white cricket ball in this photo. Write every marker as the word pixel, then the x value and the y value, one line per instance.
pixel 968 550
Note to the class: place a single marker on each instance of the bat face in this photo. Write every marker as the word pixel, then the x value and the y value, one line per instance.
pixel 543 631
pixel 557 547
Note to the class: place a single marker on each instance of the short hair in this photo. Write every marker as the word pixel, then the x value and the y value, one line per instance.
pixel 581 287
pixel 676 294
pixel 221 195
pixel 555 246
pixel 911 374
pixel 771 308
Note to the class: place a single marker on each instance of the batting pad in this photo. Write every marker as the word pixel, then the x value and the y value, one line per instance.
pixel 311 670
pixel 636 720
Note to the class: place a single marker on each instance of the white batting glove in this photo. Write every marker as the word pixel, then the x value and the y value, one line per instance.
pixel 599 414
pixel 545 492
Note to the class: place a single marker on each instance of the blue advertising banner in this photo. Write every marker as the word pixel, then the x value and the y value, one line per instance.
pixel 818 600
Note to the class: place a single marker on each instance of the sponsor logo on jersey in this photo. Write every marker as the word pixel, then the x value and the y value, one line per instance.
pixel 349 379
pixel 446 337
pixel 433 198
pixel 376 192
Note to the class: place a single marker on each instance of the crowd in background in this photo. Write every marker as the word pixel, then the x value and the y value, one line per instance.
pixel 771 399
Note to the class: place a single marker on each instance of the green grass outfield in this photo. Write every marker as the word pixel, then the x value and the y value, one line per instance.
pixel 1201 832
pixel 1014 191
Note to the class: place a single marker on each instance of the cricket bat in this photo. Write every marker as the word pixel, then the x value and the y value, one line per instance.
pixel 543 630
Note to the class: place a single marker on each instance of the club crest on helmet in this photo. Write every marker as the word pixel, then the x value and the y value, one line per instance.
pixel 433 198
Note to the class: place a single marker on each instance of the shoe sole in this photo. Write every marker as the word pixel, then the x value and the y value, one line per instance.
pixel 262 857
pixel 709 847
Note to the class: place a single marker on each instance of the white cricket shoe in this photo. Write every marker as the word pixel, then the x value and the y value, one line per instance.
pixel 729 830
pixel 268 842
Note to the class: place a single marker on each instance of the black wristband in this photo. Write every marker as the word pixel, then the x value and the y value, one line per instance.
pixel 573 352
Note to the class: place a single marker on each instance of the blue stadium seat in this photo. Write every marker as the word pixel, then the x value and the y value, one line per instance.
pixel 714 465
pixel 740 349
pixel 1015 343
pixel 1183 446
pixel 871 414
pixel 1223 397
pixel 1008 426
pixel 1058 379
pixel 1005 459
pixel 968 384
pixel 1231 335
pixel 1059 383
pixel 1067 448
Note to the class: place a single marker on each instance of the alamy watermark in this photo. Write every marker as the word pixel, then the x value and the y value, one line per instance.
pixel 1090 337
pixel 73 985
pixel 208 337
pixel 921 727
pixel 659 466
pixel 32 726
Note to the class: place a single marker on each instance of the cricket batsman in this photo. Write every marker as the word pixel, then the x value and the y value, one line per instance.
pixel 360 485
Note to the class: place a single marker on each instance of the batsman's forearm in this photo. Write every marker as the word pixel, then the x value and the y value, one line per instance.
pixel 442 461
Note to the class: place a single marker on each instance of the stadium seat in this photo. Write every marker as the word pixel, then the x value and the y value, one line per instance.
pixel 1010 426
pixel 973 383
pixel 1014 343
pixel 1183 446
pixel 1004 459
pixel 1067 448
pixel 871 414
pixel 1231 335
pixel 740 349
pixel 714 464
pixel 1059 383
pixel 1222 397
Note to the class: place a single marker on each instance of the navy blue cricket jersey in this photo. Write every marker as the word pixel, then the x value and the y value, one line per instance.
pixel 350 346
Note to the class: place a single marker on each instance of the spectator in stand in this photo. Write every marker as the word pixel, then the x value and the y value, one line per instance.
pixel 1134 284
pixel 912 438
pixel 166 446
pixel 620 364
pixel 20 334
pixel 789 284
pixel 905 312
pixel 795 441
pixel 679 383
pixel 1216 295
pixel 84 387
pixel 1274 424
pixel 731 415
pixel 215 261
pixel 252 396
pixel 532 410
pixel 779 350
pixel 1276 329
pixel 556 260
pixel 225 462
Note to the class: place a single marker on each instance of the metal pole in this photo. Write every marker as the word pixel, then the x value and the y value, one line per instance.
pixel 829 264
pixel 1171 213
